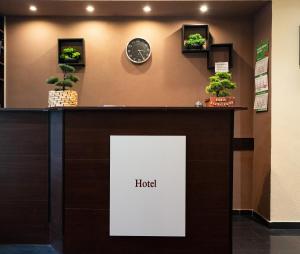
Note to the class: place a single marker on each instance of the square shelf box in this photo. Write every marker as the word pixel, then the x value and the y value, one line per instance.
pixel 72 43
pixel 203 30
pixel 219 53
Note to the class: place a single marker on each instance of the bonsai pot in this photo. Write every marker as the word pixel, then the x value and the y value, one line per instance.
pixel 227 101
pixel 66 98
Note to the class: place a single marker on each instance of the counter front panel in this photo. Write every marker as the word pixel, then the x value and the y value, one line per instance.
pixel 81 176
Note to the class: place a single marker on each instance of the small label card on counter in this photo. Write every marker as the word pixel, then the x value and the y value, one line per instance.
pixel 221 67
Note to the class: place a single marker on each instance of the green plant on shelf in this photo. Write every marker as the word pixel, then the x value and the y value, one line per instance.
pixel 68 80
pixel 220 84
pixel 70 55
pixel 195 41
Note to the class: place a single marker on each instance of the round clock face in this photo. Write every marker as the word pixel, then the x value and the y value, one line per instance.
pixel 138 50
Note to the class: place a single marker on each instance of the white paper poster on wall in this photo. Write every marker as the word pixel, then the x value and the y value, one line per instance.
pixel 221 67
pixel 261 102
pixel 261 66
pixel 261 83
pixel 147 185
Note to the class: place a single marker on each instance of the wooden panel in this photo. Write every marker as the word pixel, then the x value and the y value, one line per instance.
pixel 209 224
pixel 56 138
pixel 209 176
pixel 94 184
pixel 24 177
pixel 23 222
pixel 206 140
pixel 261 175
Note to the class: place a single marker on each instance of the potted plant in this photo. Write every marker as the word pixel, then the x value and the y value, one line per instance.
pixel 219 87
pixel 195 41
pixel 70 55
pixel 63 95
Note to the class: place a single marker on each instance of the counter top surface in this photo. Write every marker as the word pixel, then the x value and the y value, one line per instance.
pixel 125 108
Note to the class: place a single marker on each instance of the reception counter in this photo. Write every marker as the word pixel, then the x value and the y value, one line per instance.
pixel 78 151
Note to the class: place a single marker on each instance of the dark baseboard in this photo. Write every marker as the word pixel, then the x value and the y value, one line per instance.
pixel 242 212
pixel 263 221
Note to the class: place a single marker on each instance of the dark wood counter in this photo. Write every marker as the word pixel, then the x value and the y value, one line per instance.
pixel 80 177
pixel 24 176
pixel 123 108
pixel 78 162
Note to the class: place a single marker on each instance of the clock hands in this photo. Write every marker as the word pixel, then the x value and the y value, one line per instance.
pixel 139 50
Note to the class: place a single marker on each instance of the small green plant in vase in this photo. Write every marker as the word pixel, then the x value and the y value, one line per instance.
pixel 70 55
pixel 219 87
pixel 195 41
pixel 63 95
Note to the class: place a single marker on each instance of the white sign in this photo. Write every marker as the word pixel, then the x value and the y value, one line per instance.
pixel 261 66
pixel 221 67
pixel 261 101
pixel 261 83
pixel 147 185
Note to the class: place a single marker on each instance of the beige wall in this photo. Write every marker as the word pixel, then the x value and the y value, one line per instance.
pixel 262 126
pixel 285 174
pixel 169 78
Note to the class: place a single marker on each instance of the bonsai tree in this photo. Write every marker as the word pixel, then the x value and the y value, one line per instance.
pixel 220 84
pixel 68 80
pixel 70 54
pixel 194 41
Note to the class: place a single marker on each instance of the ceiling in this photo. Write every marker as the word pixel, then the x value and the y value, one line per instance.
pixel 129 8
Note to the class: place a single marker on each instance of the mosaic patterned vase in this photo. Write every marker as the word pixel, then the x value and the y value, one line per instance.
pixel 67 98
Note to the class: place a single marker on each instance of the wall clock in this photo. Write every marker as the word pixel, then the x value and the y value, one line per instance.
pixel 138 50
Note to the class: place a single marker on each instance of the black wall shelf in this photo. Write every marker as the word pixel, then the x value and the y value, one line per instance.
pixel 222 52
pixel 77 43
pixel 219 53
pixel 203 30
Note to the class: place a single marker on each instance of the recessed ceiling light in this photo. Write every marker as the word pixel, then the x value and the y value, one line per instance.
pixel 90 8
pixel 204 8
pixel 147 9
pixel 32 8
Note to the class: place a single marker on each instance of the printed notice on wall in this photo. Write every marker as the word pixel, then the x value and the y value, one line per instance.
pixel 261 66
pixel 261 83
pixel 221 67
pixel 147 185
pixel 262 50
pixel 261 102
pixel 261 77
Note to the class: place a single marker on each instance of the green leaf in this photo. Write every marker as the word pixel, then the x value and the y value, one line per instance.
pixel 219 84
pixel 66 68
pixel 224 75
pixel 214 79
pixel 70 53
pixel 73 78
pixel 195 40
pixel 52 80
pixel 67 82
pixel 68 50
pixel 76 55
pixel 223 93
